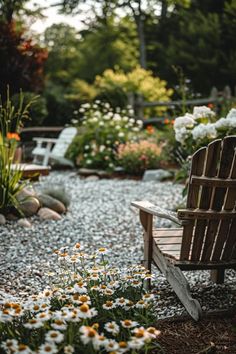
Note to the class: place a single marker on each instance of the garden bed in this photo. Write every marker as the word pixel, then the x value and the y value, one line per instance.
pixel 213 334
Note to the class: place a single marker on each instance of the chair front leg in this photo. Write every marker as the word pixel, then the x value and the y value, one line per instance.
pixel 147 222
pixel 47 153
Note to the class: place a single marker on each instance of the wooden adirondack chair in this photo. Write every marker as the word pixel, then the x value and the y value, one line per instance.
pixel 207 238
pixel 54 149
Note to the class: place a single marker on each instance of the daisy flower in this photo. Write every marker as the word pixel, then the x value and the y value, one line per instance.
pixel 108 305
pixel 48 348
pixel 59 325
pixel 136 343
pixel 112 327
pixel 43 316
pixel 54 337
pixel 129 323
pixel 141 333
pixel 86 312
pixel 148 297
pixel 123 347
pixel 111 345
pixel 24 349
pixel 153 332
pixel 121 301
pixel 102 250
pixel 10 344
pixel 68 349
pixel 88 334
pixel 33 323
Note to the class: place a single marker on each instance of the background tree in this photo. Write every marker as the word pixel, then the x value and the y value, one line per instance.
pixel 21 60
pixel 199 39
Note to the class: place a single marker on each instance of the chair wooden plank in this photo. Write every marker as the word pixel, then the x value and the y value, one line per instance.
pixel 226 160
pixel 188 214
pixel 224 226
pixel 197 167
pixel 230 243
pixel 213 181
pixel 210 170
pixel 168 240
pixel 169 248
pixel 168 232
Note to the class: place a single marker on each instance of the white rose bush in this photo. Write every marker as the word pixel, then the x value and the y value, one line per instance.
pixel 95 308
pixel 101 130
pixel 198 128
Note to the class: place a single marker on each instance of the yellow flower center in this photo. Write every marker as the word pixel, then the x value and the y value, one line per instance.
pixel 122 344
pixel 84 308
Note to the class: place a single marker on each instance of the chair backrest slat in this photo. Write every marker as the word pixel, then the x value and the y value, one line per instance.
pixel 211 191
pixel 64 140
pixel 205 194
pixel 197 167
pixel 226 239
pixel 219 193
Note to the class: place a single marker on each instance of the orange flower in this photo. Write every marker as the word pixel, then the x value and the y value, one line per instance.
pixel 166 121
pixel 210 105
pixel 150 129
pixel 13 136
pixel 173 122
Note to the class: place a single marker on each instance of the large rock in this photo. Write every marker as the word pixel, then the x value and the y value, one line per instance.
pixel 25 193
pixel 48 214
pixel 29 206
pixel 2 219
pixel 51 203
pixel 59 193
pixel 156 175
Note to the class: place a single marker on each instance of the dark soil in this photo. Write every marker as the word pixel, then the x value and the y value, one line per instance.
pixel 212 335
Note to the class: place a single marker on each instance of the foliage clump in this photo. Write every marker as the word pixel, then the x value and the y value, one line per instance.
pixel 11 121
pixel 101 130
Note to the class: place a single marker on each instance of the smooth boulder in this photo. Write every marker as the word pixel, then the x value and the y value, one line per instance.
pixel 29 206
pixel 51 203
pixel 59 193
pixel 48 214
pixel 156 175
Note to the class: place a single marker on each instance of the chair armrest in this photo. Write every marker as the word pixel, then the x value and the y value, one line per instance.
pixel 156 211
pixel 45 140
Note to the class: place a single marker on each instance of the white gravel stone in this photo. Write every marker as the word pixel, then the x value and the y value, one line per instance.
pixel 99 215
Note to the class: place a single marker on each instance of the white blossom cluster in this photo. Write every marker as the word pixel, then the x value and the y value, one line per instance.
pixel 202 112
pixel 191 126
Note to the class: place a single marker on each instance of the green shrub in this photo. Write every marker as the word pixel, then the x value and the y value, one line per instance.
pixel 136 157
pixel 101 130
pixel 99 309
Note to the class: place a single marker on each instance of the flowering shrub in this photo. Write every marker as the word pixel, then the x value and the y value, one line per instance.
pixel 137 81
pixel 100 309
pixel 136 157
pixel 102 129
pixel 194 129
pixel 197 129
pixel 200 127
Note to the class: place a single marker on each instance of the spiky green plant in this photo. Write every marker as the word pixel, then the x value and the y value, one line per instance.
pixel 11 121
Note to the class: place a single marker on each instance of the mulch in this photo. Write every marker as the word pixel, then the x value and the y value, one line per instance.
pixel 215 334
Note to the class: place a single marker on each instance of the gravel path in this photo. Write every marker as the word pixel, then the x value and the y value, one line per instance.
pixel 99 215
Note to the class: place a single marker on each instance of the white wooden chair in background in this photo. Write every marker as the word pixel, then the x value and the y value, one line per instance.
pixel 48 149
